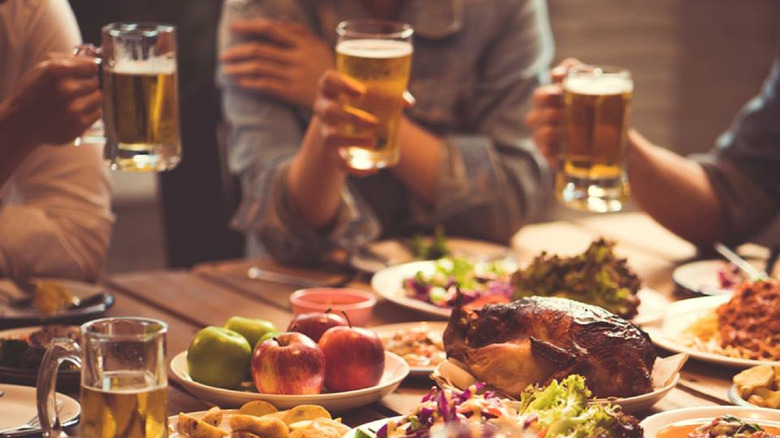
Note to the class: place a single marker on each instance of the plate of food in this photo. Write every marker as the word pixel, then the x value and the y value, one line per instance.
pixel 40 301
pixel 737 331
pixel 376 256
pixel 478 411
pixel 758 386
pixel 710 421
pixel 258 418
pixel 708 277
pixel 22 349
pixel 596 277
pixel 19 411
pixel 418 343
pixel 395 370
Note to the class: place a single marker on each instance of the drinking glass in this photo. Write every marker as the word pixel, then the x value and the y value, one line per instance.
pixel 377 53
pixel 141 104
pixel 592 173
pixel 123 379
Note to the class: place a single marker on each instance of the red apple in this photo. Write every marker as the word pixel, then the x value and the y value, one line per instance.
pixel 314 325
pixel 354 358
pixel 289 363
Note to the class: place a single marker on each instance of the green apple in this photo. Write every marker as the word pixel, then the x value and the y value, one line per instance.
pixel 219 357
pixel 267 336
pixel 251 328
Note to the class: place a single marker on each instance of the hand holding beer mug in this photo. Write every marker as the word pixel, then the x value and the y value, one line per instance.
pixel 379 55
pixel 123 379
pixel 591 174
pixel 141 105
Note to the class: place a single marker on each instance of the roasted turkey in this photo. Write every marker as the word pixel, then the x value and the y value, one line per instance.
pixel 538 339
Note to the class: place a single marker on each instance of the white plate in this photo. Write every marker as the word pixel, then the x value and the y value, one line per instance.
pixel 388 331
pixel 395 253
pixel 679 316
pixel 701 277
pixel 388 283
pixel 396 369
pixel 18 407
pixel 15 317
pixel 739 401
pixel 371 426
pixel 29 376
pixel 654 423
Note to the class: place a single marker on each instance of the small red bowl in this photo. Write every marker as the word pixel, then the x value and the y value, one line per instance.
pixel 357 304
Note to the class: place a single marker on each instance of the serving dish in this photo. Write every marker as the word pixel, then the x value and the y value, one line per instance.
pixel 66 378
pixel 382 254
pixel 679 316
pixel 701 277
pixel 386 332
pixel 24 316
pixel 389 284
pixel 655 423
pixel 396 369
pixel 19 407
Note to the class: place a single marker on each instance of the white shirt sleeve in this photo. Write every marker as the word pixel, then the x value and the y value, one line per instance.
pixel 55 218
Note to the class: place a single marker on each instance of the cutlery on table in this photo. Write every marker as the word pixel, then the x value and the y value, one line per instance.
pixel 32 423
pixel 752 272
pixel 256 273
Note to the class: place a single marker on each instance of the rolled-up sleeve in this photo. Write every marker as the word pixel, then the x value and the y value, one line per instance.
pixel 492 179
pixel 264 134
pixel 743 167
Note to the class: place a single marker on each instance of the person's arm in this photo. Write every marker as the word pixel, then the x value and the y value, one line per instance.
pixel 491 178
pixel 675 191
pixel 61 224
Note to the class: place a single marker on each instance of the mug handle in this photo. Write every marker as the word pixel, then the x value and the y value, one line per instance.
pixel 60 350
pixel 95 134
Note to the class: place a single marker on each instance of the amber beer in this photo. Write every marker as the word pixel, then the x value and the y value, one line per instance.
pixel 128 405
pixel 382 62
pixel 598 104
pixel 141 115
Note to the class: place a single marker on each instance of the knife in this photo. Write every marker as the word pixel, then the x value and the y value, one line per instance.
pixel 256 273
pixel 752 272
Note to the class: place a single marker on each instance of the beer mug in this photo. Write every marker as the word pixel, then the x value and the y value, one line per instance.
pixel 378 54
pixel 591 174
pixel 123 379
pixel 141 104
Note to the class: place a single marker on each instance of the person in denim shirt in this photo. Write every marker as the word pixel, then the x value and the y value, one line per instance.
pixel 728 194
pixel 467 159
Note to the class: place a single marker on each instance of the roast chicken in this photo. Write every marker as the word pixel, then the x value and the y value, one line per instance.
pixel 535 340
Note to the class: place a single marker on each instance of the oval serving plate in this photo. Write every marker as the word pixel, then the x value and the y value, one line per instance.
pixel 396 369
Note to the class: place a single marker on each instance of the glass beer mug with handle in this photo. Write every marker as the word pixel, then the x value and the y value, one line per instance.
pixel 123 379
pixel 141 105
pixel 592 174
pixel 378 54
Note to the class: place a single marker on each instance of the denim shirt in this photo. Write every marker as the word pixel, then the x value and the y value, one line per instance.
pixel 475 66
pixel 744 165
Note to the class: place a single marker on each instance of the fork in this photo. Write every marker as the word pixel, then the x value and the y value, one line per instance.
pixel 32 423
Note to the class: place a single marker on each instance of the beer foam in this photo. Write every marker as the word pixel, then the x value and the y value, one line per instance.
pixel 599 85
pixel 157 66
pixel 374 48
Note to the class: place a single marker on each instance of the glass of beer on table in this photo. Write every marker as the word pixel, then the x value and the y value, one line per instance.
pixel 591 174
pixel 378 54
pixel 141 104
pixel 123 380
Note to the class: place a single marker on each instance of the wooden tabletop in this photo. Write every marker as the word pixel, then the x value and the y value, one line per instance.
pixel 209 294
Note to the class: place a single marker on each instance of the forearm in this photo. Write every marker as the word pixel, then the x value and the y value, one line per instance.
pixel 419 165
pixel 314 180
pixel 674 191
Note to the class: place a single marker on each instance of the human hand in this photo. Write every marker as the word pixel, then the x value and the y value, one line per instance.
pixel 284 60
pixel 547 117
pixel 56 100
pixel 340 125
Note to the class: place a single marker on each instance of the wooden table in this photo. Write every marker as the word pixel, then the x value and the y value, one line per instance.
pixel 209 294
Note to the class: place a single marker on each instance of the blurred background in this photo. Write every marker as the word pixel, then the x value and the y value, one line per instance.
pixel 694 63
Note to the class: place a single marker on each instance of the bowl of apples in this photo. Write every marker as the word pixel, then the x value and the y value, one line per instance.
pixel 321 359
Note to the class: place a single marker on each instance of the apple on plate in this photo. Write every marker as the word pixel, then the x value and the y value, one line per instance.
pixel 253 329
pixel 314 325
pixel 289 363
pixel 354 358
pixel 219 357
